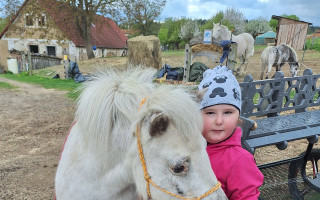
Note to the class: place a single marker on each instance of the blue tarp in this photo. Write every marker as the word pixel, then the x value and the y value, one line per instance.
pixel 75 73
pixel 172 73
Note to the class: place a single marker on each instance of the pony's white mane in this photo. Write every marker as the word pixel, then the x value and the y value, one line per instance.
pixel 177 104
pixel 294 52
pixel 112 93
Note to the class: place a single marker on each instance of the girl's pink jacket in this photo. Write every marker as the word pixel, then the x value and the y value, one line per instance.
pixel 235 168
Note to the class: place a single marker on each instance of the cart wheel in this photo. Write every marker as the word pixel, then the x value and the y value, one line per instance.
pixel 299 187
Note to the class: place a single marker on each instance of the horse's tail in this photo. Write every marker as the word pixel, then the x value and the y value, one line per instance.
pixel 250 49
pixel 263 62
pixel 112 97
pixel 262 69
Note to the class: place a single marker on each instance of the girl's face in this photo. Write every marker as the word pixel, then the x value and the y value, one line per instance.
pixel 219 122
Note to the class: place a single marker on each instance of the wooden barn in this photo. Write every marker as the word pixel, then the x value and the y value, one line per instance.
pixel 291 32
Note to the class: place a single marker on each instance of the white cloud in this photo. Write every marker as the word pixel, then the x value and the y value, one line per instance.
pixel 306 10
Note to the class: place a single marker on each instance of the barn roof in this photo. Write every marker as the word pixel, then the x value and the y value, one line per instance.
pixel 104 32
pixel 279 17
pixel 269 34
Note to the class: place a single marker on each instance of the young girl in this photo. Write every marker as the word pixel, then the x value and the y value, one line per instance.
pixel 234 167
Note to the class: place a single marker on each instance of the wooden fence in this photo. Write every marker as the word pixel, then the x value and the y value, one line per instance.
pixel 37 61
pixel 42 61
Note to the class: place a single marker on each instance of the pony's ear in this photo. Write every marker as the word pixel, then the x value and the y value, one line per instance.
pixel 159 125
pixel 199 94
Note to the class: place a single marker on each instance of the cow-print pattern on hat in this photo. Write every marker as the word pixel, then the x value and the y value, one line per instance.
pixel 223 88
pixel 218 91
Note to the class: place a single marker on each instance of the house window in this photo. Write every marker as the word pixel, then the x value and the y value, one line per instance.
pixel 34 48
pixel 29 20
pixel 42 21
pixel 51 50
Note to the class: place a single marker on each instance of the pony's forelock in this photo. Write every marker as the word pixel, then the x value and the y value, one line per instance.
pixel 176 103
pixel 113 93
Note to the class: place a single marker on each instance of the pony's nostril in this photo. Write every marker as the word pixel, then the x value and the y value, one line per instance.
pixel 178 169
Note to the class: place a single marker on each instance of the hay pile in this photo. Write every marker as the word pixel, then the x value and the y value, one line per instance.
pixel 145 51
pixel 206 47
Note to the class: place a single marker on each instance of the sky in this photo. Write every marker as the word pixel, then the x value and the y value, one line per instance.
pixel 306 10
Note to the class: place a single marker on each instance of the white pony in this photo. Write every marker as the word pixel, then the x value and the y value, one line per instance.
pixel 101 160
pixel 277 56
pixel 245 43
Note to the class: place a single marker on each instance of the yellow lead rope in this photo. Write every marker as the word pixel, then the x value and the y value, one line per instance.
pixel 148 178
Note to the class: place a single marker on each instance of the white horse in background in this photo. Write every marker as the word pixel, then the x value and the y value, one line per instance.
pixel 101 160
pixel 245 43
pixel 277 56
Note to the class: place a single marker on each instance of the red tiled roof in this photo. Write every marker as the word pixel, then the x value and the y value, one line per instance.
pixel 105 32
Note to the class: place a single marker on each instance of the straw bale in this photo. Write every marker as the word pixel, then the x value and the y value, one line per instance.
pixel 145 51
pixel 206 47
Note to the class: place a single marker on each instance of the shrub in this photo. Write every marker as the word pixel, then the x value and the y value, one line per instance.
pixel 314 46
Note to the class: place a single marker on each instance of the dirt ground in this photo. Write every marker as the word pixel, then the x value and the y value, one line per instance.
pixel 34 123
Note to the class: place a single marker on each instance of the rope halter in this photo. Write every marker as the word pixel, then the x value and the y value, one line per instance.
pixel 148 178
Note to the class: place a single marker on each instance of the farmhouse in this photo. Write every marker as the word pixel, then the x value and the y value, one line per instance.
pixel 53 32
pixel 291 32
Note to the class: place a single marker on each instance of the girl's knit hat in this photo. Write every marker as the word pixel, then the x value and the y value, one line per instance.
pixel 223 88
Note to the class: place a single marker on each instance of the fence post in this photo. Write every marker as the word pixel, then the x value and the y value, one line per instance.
pixel 66 67
pixel 29 63
pixel 231 59
pixel 187 63
pixel 23 64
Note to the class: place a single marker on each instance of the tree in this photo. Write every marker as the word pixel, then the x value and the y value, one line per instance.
pixel 85 14
pixel 236 18
pixel 218 17
pixel 9 7
pixel 171 27
pixel 139 13
pixel 163 35
pixel 3 24
pixel 190 29
pixel 256 26
pixel 231 18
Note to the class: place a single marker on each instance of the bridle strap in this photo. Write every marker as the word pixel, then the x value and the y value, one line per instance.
pixel 148 178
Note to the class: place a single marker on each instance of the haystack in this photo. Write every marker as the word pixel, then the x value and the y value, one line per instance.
pixel 206 47
pixel 145 51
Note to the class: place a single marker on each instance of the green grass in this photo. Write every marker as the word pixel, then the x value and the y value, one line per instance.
pixel 173 52
pixel 7 86
pixel 292 94
pixel 46 72
pixel 259 47
pixel 60 84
